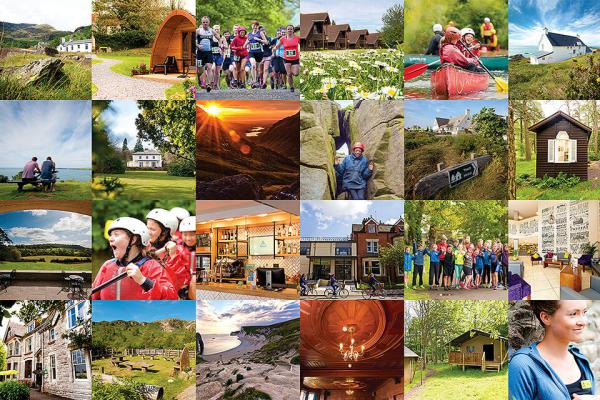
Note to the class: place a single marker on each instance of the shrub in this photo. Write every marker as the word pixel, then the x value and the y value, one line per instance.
pixel 182 168
pixel 295 360
pixel 562 180
pixel 229 382
pixel 123 40
pixel 9 253
pixel 129 390
pixel 239 377
pixel 111 164
pixel 13 390
pixel 3 179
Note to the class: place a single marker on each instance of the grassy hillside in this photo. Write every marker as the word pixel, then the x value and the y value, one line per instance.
pixel 281 339
pixel 28 35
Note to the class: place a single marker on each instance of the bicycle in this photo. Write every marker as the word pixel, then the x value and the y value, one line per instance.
pixel 368 293
pixel 342 292
pixel 311 290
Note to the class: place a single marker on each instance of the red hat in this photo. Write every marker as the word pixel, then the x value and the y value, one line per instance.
pixel 359 145
pixel 242 28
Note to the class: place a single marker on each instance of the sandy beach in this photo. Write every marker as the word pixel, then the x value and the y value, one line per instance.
pixel 247 344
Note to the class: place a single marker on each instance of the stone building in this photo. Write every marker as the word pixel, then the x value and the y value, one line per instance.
pixel 47 361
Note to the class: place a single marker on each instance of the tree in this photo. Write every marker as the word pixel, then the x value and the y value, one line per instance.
pixel 33 309
pixel 138 146
pixel 492 127
pixel 2 357
pixel 124 147
pixel 512 159
pixel 391 258
pixel 392 31
pixel 170 125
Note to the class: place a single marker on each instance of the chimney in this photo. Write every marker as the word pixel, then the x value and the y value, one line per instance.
pixel 545 31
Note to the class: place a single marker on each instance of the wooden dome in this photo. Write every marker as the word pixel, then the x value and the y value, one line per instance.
pixel 175 37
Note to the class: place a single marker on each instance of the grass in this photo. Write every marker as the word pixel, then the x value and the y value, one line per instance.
pixel 45 266
pixel 159 374
pixel 544 81
pixel 421 294
pixel 65 190
pixel 176 92
pixel 96 61
pixel 94 89
pixel 76 85
pixel 586 190
pixel 144 185
pixel 454 383
pixel 130 58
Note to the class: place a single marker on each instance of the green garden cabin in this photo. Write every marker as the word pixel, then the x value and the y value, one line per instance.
pixel 479 349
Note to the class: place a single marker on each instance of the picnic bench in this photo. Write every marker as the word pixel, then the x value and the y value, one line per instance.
pixel 131 365
pixel 7 278
pixel 44 183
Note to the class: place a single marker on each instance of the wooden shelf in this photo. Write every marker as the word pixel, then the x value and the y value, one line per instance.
pixel 227 241
pixel 287 238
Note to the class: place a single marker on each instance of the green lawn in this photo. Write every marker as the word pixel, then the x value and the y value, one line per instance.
pixel 96 61
pixel 75 86
pixel 94 89
pixel 159 374
pixel 65 190
pixel 131 58
pixel 177 92
pixel 144 185
pixel 454 383
pixel 420 294
pixel 44 266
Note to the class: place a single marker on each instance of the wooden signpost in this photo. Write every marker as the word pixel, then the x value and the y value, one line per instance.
pixel 428 186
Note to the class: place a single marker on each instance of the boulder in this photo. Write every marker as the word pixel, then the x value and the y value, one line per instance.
pixel 49 51
pixel 236 187
pixel 47 70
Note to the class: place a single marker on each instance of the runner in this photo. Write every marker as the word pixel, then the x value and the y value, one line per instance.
pixel 256 40
pixel 204 55
pixel 291 56
pixel 227 67
pixel 217 52
pixel 240 52
pixel 277 60
pixel 266 63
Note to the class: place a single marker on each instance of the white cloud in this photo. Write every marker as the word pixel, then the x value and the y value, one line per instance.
pixel 327 212
pixel 61 14
pixel 34 235
pixel 74 222
pixel 38 213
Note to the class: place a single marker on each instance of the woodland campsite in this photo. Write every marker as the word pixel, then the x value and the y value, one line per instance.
pixel 528 182
pixel 431 331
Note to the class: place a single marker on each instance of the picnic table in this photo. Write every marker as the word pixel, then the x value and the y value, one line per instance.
pixel 131 365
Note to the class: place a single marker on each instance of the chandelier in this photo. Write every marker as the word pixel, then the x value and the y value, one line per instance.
pixel 350 352
pixel 349 392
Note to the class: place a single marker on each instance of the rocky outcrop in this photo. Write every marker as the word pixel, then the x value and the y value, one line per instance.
pixel 236 187
pixel 325 127
pixel 47 70
pixel 49 51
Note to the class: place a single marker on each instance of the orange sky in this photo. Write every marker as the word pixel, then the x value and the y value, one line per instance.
pixel 244 111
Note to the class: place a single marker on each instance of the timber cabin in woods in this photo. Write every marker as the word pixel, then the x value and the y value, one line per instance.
pixel 478 349
pixel 317 32
pixel 176 39
pixel 561 146
pixel 410 364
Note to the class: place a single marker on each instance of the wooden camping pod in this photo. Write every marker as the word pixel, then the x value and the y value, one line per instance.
pixel 175 37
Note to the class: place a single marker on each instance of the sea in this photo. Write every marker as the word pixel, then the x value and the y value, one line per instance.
pixel 524 50
pixel 65 174
pixel 218 343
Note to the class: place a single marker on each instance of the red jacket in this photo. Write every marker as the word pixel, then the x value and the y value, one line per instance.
pixel 475 48
pixel 179 267
pixel 291 51
pixel 450 53
pixel 237 45
pixel 129 290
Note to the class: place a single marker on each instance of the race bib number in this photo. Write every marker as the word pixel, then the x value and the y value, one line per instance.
pixel 290 53
pixel 255 46
pixel 227 53
pixel 236 58
pixel 586 384
pixel 216 50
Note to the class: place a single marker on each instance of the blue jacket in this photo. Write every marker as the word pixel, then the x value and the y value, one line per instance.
pixel 433 255
pixel 479 262
pixel 486 257
pixel 418 255
pixel 408 260
pixel 530 377
pixel 493 258
pixel 354 172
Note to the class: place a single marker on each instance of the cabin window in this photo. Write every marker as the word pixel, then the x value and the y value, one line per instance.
pixel 470 349
pixel 563 149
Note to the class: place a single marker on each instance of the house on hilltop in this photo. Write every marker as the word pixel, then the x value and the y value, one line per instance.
pixel 455 125
pixel 555 47
pixel 75 46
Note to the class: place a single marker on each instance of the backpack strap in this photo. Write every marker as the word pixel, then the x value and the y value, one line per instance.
pixel 141 261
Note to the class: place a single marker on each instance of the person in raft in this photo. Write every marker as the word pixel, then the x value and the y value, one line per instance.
pixel 434 44
pixel 355 170
pixel 146 278
pixel 554 368
pixel 488 34
pixel 181 259
pixel 180 213
pixel 450 52
pixel 468 40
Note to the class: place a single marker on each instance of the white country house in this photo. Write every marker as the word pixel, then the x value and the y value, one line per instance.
pixel 75 46
pixel 455 125
pixel 555 47
pixel 146 159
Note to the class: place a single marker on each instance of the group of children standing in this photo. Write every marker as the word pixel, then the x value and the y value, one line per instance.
pixel 158 257
pixel 457 265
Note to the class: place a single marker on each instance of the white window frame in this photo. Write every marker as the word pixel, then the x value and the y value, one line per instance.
pixel 373 245
pixel 52 334
pixel 28 345
pixel 79 310
pixel 31 326
pixel 371 226
pixel 553 145
pixel 53 370
pixel 368 264
pixel 83 358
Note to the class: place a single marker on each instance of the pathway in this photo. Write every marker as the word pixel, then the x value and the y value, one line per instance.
pixel 188 394
pixel 461 294
pixel 415 391
pixel 594 174
pixel 112 85
pixel 35 395
pixel 249 94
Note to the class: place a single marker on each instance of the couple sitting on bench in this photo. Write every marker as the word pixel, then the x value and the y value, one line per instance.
pixel 46 178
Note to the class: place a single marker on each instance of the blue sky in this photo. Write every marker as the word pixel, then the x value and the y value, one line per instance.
pixel 226 316
pixel 120 121
pixel 60 129
pixel 47 226
pixel 358 13
pixel 423 112
pixel 142 311
pixel 334 218
pixel 527 19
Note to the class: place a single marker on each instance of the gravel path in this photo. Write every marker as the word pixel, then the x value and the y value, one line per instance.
pixel 112 85
pixel 248 94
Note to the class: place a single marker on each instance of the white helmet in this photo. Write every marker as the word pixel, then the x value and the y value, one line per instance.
pixel 166 218
pixel 188 224
pixel 180 213
pixel 486 19
pixel 133 226
pixel 437 28
pixel 464 31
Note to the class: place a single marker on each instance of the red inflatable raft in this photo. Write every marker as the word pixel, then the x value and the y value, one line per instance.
pixel 450 80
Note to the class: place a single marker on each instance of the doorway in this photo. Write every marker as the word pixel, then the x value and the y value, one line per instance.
pixel 488 350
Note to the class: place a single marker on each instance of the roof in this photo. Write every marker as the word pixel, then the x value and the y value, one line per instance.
pixel 559 114
pixel 307 21
pixel 354 36
pixel 147 152
pixel 372 38
pixel 558 39
pixel 471 334
pixel 333 239
pixel 442 121
pixel 16 328
pixel 333 31
pixel 408 353
pixel 381 227
pixel 71 42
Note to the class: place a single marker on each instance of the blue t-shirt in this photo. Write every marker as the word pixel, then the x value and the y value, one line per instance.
pixel 47 169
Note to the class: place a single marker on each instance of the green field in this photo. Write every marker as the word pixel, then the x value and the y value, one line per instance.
pixel 145 185
pixel 159 374
pixel 419 294
pixel 45 266
pixel 444 382
pixel 65 190
pixel 75 86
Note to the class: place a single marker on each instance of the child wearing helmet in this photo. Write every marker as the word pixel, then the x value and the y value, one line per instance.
pixel 468 39
pixel 146 278
pixel 451 53
pixel 181 259
pixel 354 171
pixel 180 213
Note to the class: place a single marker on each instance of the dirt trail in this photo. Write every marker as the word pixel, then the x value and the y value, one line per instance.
pixel 415 392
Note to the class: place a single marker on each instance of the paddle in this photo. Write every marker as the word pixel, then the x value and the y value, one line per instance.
pixel 501 84
pixel 417 69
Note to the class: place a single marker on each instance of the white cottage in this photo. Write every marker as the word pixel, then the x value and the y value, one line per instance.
pixel 146 159
pixel 455 125
pixel 75 46
pixel 555 47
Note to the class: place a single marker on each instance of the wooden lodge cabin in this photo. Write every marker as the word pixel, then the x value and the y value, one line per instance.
pixel 479 349
pixel 312 30
pixel 176 37
pixel 337 36
pixel 373 41
pixel 410 364
pixel 358 39
pixel 561 146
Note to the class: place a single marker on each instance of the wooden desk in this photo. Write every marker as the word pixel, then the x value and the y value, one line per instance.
pixel 570 278
pixel 551 263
